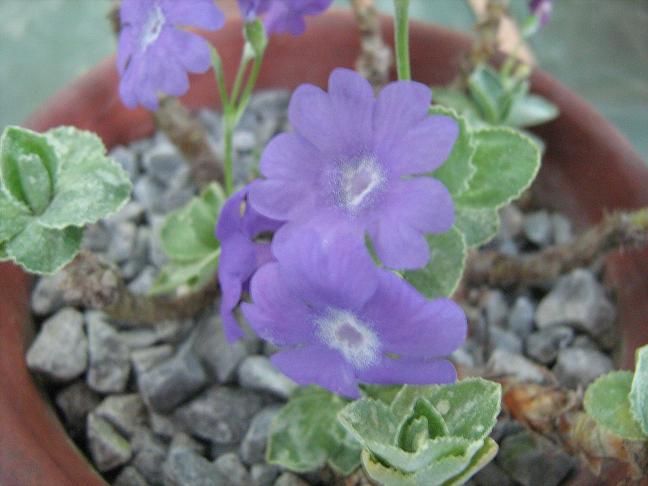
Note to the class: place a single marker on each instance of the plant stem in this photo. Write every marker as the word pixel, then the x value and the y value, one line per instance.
pixel 249 87
pixel 230 124
pixel 99 285
pixel 401 28
pixel 613 232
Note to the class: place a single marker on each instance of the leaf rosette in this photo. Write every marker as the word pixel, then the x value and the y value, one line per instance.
pixel 432 435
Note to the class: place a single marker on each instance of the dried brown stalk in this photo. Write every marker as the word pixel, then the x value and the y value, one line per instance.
pixel 615 231
pixel 99 285
pixel 375 59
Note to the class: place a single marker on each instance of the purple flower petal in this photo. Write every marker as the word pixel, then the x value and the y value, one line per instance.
pixel 409 372
pixel 411 325
pixel 276 198
pixel 318 365
pixel 289 157
pixel 398 245
pixel 195 13
pixel 191 51
pixel 311 114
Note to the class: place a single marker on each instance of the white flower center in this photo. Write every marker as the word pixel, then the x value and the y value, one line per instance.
pixel 152 28
pixel 343 331
pixel 358 181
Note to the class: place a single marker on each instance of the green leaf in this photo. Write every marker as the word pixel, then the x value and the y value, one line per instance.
pixel 506 163
pixel 639 390
pixel 14 217
pixel 443 469
pixel 531 110
pixel 188 233
pixel 443 272
pixel 306 434
pixel 458 169
pixel 455 99
pixel 487 92
pixel 90 186
pixel 468 407
pixel 256 36
pixel 478 225
pixel 384 393
pixel 385 475
pixel 28 167
pixel 3 252
pixel 607 402
pixel 482 457
pixel 194 274
pixel 44 250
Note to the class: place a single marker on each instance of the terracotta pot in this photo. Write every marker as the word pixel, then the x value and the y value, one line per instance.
pixel 589 168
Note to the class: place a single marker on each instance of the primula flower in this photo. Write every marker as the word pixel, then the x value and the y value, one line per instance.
pixel 541 9
pixel 154 55
pixel 340 319
pixel 282 15
pixel 351 162
pixel 240 254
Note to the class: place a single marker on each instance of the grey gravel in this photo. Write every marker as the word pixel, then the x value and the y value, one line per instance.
pixel 140 257
pixel 146 358
pixel 122 242
pixel 60 351
pixel 520 319
pixel 144 281
pixel 263 474
pixel 220 414
pixel 533 460
pixel 503 363
pixel 492 475
pixel 537 228
pixel 150 193
pixel 579 367
pixel 496 307
pixel 578 300
pixel 182 440
pixel 164 332
pixel 149 454
pixel 231 467
pixel 183 467
pixel 507 340
pixel 129 476
pixel 107 447
pixel 162 162
pixel 163 425
pixel 544 345
pixel 47 296
pixel 109 356
pixel 562 229
pixel 258 373
pixel 75 402
pixel 96 238
pixel 254 443
pixel 166 385
pixel 124 412
pixel 127 159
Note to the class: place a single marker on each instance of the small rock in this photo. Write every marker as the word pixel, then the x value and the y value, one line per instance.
pixel 231 467
pixel 503 339
pixel 263 474
pixel 150 193
pixel 149 454
pixel 290 479
pixel 544 345
pixel 520 319
pixel 76 401
pixel 96 237
pixel 107 447
pixel 220 357
pixel 505 427
pixel 254 443
pixel 496 308
pixel 129 476
pixel 258 373
pixel 144 281
pixel 537 228
pixel 133 211
pixel 244 141
pixel 164 332
pixel 182 440
pixel 139 259
pixel 47 296
pixel 580 367
pixel 462 357
pixel 60 351
pixel 578 300
pixel 492 475
pixel 585 342
pixel 109 356
pixel 503 363
pixel 532 460
pixel 146 358
pixel 122 242
pixel 163 425
pixel 212 122
pixel 184 467
pixel 162 162
pixel 124 412
pixel 127 158
pixel 511 220
pixel 220 414
pixel 166 385
pixel 562 229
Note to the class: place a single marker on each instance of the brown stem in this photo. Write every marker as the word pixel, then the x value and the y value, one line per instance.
pixel 375 59
pixel 99 285
pixel 189 136
pixel 613 232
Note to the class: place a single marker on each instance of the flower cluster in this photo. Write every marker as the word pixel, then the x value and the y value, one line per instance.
pixel 354 166
pixel 155 53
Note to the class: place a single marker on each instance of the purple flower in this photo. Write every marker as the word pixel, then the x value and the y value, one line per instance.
pixel 351 162
pixel 541 9
pixel 240 254
pixel 282 15
pixel 340 319
pixel 154 55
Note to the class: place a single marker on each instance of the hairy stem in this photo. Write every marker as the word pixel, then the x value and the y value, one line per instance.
pixel 614 231
pixel 375 57
pixel 99 285
pixel 229 125
pixel 401 29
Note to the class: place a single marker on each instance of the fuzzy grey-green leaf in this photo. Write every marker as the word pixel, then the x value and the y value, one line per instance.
pixel 639 390
pixel 440 277
pixel 13 217
pixel 506 163
pixel 607 401
pixel 89 185
pixel 478 225
pixel 194 275
pixel 531 110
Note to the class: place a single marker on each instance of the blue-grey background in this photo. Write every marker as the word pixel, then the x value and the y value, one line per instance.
pixel 597 47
